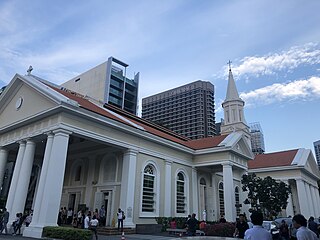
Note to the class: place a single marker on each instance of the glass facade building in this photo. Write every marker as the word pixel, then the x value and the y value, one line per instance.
pixel 257 139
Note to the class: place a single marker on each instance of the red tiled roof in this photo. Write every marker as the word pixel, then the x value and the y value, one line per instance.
pixel 275 159
pixel 208 142
pixel 147 125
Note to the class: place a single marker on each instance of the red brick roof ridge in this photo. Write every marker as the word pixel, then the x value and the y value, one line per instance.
pixel 89 105
pixel 274 159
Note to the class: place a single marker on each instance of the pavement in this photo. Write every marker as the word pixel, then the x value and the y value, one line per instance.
pixel 127 237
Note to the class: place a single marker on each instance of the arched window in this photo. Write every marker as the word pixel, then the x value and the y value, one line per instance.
pixel 237 198
pixel 181 193
pixel 77 175
pixel 221 199
pixel 148 198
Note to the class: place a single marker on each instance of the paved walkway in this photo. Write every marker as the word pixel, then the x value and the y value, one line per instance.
pixel 127 237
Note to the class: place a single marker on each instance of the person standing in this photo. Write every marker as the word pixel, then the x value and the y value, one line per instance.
pixel 5 219
pixel 87 221
pixel 303 233
pixel 257 232
pixel 313 226
pixel 241 227
pixel 102 214
pixel 120 215
pixel 93 225
pixel 192 225
pixel 284 230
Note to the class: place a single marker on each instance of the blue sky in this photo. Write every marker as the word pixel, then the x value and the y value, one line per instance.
pixel 274 46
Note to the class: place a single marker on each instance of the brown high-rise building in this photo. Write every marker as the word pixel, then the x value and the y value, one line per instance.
pixel 187 110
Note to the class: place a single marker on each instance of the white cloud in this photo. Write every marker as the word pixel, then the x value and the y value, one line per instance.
pixel 299 90
pixel 286 60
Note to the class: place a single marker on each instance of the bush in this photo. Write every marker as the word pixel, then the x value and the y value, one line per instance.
pixel 165 222
pixel 67 233
pixel 220 229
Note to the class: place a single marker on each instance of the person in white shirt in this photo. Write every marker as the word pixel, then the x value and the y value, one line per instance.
pixel 93 225
pixel 257 232
pixel 303 233
pixel 120 215
pixel 87 221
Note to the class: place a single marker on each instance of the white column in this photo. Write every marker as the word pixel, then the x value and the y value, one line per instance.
pixel 314 202
pixel 41 186
pixel 15 176
pixel 316 191
pixel 128 185
pixel 168 190
pixel 302 197
pixel 23 181
pixel 37 186
pixel 3 161
pixel 228 192
pixel 195 197
pixel 289 209
pixel 90 179
pixel 214 199
pixel 54 167
pixel 309 199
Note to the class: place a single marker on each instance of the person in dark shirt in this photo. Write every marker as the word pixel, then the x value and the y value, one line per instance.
pixel 313 226
pixel 284 230
pixel 192 225
pixel 241 227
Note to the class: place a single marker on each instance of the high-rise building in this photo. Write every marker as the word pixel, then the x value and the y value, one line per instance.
pixel 187 110
pixel 257 139
pixel 108 83
pixel 317 151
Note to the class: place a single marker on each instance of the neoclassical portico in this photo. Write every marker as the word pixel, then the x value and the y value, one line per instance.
pixel 90 154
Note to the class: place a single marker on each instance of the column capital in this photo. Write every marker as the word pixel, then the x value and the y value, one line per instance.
pixel 61 131
pixel 21 141
pixel 226 164
pixel 168 162
pixel 131 151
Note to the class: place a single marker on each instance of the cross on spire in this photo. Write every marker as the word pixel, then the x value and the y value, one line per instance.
pixel 229 63
pixel 29 70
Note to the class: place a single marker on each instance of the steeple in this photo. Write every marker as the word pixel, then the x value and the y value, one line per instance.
pixel 232 92
pixel 233 105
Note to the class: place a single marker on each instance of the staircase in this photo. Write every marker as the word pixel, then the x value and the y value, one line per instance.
pixel 114 231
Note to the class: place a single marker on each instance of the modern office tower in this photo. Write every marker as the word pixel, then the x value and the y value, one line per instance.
pixel 257 139
pixel 317 151
pixel 108 83
pixel 187 110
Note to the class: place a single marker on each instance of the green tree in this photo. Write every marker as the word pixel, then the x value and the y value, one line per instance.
pixel 268 195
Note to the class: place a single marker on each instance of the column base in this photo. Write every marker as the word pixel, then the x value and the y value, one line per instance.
pixel 128 224
pixel 33 231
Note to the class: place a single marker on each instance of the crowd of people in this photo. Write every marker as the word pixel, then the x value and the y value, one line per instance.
pixel 300 229
pixel 20 219
pixel 86 219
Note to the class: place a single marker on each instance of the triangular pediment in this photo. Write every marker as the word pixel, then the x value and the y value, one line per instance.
pixel 311 165
pixel 22 101
pixel 238 143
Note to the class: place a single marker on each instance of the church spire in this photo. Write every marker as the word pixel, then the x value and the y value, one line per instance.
pixel 234 120
pixel 232 92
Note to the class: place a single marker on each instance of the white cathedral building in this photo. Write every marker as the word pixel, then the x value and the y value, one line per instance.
pixel 76 151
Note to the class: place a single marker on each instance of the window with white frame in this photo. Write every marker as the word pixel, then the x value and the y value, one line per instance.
pixel 148 193
pixel 181 193
pixel 221 199
pixel 237 198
